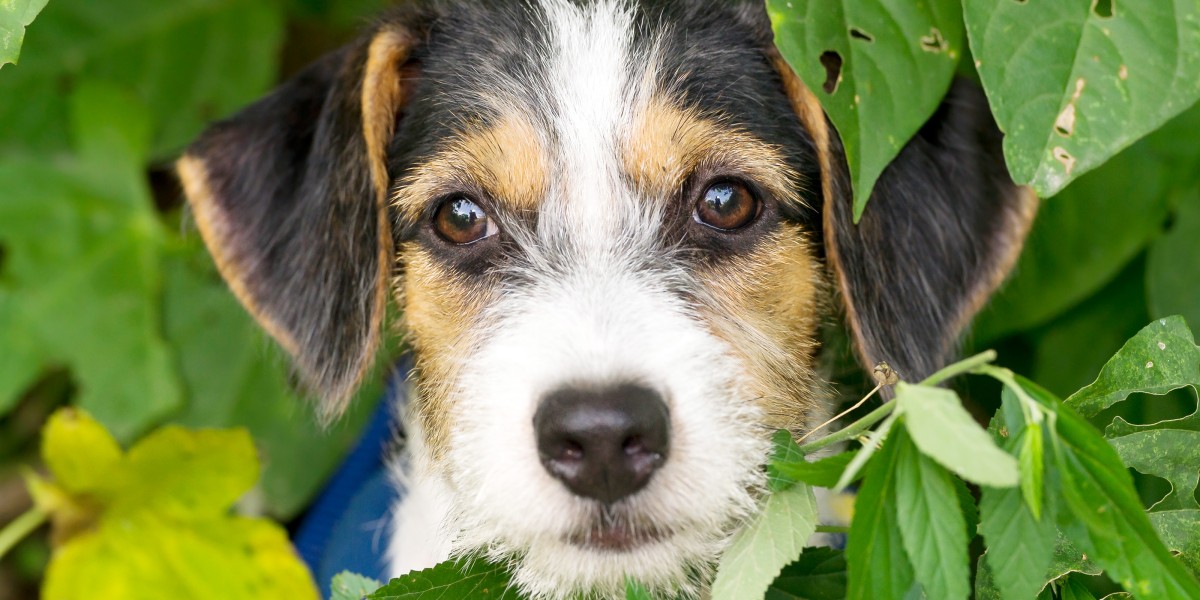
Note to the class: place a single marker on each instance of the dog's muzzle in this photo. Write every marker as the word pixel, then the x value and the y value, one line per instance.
pixel 603 443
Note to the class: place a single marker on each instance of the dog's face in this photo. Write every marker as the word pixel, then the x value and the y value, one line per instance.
pixel 614 231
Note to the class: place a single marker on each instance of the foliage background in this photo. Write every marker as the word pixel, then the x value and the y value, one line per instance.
pixel 107 300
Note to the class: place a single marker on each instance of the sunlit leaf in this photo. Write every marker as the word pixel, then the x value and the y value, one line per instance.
pixel 931 522
pixel 15 16
pixel 773 539
pixel 945 431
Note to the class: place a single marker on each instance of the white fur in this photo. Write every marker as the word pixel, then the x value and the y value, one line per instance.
pixel 597 301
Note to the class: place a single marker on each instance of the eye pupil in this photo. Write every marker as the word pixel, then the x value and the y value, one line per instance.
pixel 726 205
pixel 462 221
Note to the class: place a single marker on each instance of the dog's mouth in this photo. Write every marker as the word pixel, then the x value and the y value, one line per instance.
pixel 618 535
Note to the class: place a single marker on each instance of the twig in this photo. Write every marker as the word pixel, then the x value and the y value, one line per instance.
pixel 20 528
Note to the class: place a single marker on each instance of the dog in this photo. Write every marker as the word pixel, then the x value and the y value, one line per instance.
pixel 615 231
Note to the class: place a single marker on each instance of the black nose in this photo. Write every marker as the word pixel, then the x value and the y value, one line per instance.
pixel 603 443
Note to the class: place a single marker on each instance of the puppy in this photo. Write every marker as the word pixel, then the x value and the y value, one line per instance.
pixel 614 229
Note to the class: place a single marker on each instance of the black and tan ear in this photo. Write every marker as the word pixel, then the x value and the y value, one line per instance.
pixel 941 231
pixel 290 197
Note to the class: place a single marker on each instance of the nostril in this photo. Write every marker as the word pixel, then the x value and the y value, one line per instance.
pixel 603 443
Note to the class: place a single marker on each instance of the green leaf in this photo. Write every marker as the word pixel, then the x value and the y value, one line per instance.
pixel 1173 266
pixel 155 523
pixel 1105 516
pixel 1162 357
pixel 878 565
pixel 352 586
pixel 1020 545
pixel 1173 454
pixel 770 541
pixel 149 47
pixel 234 377
pixel 931 522
pixel 1124 204
pixel 1070 87
pixel 1180 531
pixel 1073 589
pixel 87 296
pixel 879 68
pixel 1031 458
pixel 945 431
pixel 472 579
pixel 824 472
pixel 635 590
pixel 15 16
pixel 819 574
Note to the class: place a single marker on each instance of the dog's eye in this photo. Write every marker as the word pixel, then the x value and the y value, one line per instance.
pixel 727 205
pixel 459 220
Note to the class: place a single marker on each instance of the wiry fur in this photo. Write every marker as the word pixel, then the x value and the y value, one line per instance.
pixel 587 129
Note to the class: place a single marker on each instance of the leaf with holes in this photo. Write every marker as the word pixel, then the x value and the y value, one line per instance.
pixel 1072 82
pixel 15 16
pixel 768 543
pixel 879 68
pixel 1173 266
pixel 1162 357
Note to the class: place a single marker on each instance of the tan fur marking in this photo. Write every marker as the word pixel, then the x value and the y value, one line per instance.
pixel 214 229
pixel 667 144
pixel 440 309
pixel 505 158
pixel 768 307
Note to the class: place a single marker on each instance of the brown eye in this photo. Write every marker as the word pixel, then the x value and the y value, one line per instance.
pixel 460 221
pixel 727 205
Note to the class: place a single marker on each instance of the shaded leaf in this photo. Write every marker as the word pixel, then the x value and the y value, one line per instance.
pixel 769 542
pixel 1180 531
pixel 931 522
pixel 1173 265
pixel 1071 87
pixel 15 16
pixel 1172 454
pixel 879 67
pixel 945 431
pixel 1073 589
pixel 819 574
pixel 1163 356
pixel 788 465
pixel 472 579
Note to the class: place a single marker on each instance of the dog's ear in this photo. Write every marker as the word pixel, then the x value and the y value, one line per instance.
pixel 941 231
pixel 290 197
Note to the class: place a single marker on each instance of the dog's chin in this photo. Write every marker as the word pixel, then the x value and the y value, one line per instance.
pixel 597 562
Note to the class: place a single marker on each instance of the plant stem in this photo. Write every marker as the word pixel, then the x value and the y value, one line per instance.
pixel 960 367
pixel 21 527
pixel 852 430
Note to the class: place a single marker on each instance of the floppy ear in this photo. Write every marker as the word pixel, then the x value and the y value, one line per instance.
pixel 941 231
pixel 290 197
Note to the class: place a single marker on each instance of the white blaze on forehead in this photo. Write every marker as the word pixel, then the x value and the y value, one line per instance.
pixel 595 83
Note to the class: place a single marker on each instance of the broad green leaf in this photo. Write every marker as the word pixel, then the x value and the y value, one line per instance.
pixel 945 431
pixel 1067 559
pixel 1031 459
pixel 1173 266
pixel 785 450
pixel 156 524
pixel 1070 86
pixel 233 377
pixel 148 46
pixel 1162 357
pixel 878 565
pixel 352 586
pixel 1124 204
pixel 470 579
pixel 1180 531
pixel 819 574
pixel 769 542
pixel 86 297
pixel 635 590
pixel 931 522
pixel 1104 515
pixel 879 68
pixel 1020 545
pixel 15 16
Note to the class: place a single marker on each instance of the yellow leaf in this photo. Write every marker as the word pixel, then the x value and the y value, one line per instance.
pixel 80 453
